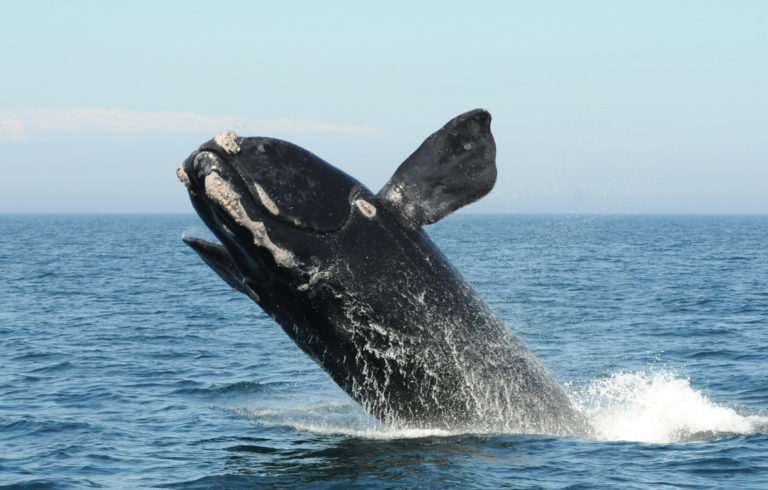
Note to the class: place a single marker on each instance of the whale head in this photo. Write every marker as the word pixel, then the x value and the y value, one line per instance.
pixel 271 204
pixel 285 217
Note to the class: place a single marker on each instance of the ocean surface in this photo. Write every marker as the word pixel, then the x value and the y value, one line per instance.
pixel 126 362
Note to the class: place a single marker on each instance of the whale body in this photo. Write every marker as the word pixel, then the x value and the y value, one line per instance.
pixel 352 277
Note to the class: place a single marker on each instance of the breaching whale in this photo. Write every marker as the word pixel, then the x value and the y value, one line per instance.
pixel 354 280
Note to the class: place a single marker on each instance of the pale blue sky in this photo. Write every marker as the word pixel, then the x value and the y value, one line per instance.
pixel 598 106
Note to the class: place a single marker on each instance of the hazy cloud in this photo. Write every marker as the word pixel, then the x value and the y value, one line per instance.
pixel 25 124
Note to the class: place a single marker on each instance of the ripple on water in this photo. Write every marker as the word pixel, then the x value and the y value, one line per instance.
pixel 127 363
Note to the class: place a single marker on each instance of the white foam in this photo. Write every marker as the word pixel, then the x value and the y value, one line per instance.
pixel 339 418
pixel 384 433
pixel 658 407
pixel 649 407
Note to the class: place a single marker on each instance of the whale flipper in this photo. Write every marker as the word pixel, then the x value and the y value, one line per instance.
pixel 455 166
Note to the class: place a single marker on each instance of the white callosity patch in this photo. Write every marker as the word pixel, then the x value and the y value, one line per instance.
pixel 182 175
pixel 266 200
pixel 368 209
pixel 220 191
pixel 227 140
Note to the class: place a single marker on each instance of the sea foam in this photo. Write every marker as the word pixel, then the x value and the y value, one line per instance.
pixel 659 407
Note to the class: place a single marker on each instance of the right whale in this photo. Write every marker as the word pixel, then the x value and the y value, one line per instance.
pixel 354 280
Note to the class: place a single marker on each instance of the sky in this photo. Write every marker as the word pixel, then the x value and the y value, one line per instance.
pixel 598 106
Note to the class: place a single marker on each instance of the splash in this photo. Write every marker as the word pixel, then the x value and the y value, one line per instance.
pixel 651 407
pixel 344 418
pixel 659 407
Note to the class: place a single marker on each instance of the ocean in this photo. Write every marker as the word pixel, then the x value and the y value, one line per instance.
pixel 125 362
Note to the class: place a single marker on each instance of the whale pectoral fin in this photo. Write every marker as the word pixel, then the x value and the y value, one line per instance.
pixel 455 166
pixel 217 258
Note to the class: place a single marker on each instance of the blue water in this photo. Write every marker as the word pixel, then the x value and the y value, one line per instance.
pixel 125 362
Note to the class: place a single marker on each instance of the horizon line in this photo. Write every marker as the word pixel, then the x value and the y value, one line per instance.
pixel 458 213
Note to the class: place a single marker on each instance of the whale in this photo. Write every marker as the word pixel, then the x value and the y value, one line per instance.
pixel 354 280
